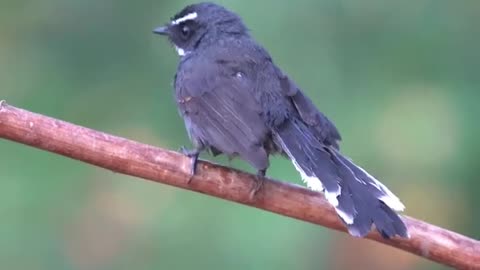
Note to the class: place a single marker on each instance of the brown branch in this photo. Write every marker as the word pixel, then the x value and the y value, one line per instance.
pixel 171 168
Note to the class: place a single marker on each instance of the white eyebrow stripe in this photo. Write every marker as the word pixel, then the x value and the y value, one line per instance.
pixel 188 17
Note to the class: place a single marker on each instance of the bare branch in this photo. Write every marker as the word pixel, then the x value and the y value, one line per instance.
pixel 171 168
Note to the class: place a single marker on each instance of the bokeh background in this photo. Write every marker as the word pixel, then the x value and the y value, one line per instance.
pixel 401 79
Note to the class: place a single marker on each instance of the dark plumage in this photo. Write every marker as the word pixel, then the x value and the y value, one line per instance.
pixel 236 101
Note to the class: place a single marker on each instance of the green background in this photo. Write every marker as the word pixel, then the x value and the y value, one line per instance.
pixel 401 80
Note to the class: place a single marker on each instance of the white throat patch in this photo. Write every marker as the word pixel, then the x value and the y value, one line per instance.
pixel 188 17
pixel 180 51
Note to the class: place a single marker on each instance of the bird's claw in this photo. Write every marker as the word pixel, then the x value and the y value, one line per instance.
pixel 193 155
pixel 259 179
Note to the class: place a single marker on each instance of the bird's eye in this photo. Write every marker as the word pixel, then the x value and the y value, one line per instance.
pixel 185 31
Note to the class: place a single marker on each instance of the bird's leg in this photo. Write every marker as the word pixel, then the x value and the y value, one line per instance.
pixel 193 155
pixel 259 179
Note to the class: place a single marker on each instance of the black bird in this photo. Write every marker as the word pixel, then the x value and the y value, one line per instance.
pixel 236 101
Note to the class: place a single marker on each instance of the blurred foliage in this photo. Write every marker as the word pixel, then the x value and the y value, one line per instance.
pixel 400 79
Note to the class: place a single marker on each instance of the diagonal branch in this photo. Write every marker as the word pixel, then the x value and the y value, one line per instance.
pixel 171 168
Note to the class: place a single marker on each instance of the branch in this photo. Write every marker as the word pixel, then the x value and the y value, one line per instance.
pixel 171 168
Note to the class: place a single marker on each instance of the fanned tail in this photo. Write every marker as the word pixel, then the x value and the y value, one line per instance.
pixel 359 199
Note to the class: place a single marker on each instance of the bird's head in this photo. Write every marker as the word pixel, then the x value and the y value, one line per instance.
pixel 199 25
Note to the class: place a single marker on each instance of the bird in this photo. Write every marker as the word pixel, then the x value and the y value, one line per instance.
pixel 236 101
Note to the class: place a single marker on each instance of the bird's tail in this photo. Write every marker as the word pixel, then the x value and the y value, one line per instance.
pixel 359 199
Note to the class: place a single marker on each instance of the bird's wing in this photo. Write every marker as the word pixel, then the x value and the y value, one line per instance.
pixel 323 128
pixel 221 111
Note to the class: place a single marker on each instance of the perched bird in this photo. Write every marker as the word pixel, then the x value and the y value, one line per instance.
pixel 236 101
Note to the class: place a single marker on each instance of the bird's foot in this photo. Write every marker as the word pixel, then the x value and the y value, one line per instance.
pixel 259 179
pixel 193 155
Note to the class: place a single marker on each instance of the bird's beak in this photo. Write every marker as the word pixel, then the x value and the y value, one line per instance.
pixel 162 30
